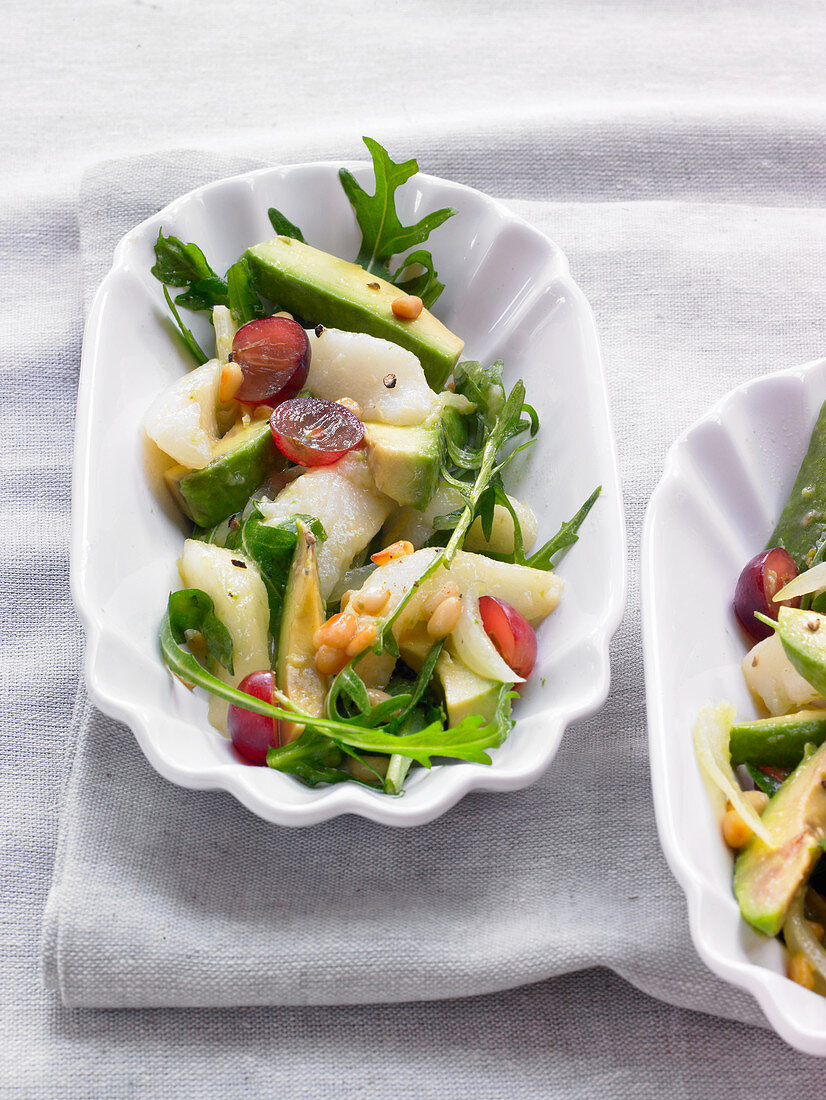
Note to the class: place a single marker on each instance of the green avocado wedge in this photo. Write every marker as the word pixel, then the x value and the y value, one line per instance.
pixel 801 529
pixel 404 462
pixel 243 458
pixel 777 742
pixel 324 289
pixel 803 634
pixel 767 879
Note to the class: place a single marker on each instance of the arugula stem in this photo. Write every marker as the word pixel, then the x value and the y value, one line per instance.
pixel 397 771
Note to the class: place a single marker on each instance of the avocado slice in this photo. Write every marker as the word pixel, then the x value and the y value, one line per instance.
pixel 801 528
pixel 803 634
pixel 242 459
pixel 404 462
pixel 766 879
pixel 323 288
pixel 465 692
pixel 777 742
pixel 302 615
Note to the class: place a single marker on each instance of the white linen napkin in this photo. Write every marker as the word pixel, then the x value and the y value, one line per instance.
pixel 164 896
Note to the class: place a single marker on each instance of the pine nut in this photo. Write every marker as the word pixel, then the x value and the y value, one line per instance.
pixel 758 799
pixel 817 929
pixel 443 593
pixel 360 641
pixel 337 631
pixel 799 969
pixel 283 313
pixel 372 601
pixel 445 617
pixel 736 833
pixel 376 696
pixel 407 308
pixel 350 404
pixel 398 549
pixel 231 379
pixel 262 412
pixel 329 661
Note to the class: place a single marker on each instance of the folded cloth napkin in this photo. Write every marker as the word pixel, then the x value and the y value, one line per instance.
pixel 165 896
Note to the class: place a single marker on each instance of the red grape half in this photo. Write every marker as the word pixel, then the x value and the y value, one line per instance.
pixel 511 633
pixel 764 575
pixel 252 734
pixel 314 432
pixel 274 356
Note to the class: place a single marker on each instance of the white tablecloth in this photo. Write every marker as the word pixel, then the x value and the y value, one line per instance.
pixel 678 159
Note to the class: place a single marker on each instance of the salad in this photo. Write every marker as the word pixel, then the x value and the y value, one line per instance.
pixel 768 775
pixel 359 590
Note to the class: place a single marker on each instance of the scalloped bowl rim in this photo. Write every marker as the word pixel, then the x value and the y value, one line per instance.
pixel 239 780
pixel 755 979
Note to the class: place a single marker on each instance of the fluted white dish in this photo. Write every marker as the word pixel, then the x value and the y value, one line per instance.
pixel 510 296
pixel 724 485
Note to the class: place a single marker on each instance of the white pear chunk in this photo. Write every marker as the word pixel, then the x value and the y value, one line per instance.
pixel 345 500
pixel 533 592
pixel 241 604
pixel 386 380
pixel 182 419
pixel 771 676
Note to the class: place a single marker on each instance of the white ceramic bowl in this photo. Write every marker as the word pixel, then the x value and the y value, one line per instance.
pixel 725 483
pixel 509 294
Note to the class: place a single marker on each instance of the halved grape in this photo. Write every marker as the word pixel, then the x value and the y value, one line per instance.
pixel 511 633
pixel 274 356
pixel 313 432
pixel 252 734
pixel 764 575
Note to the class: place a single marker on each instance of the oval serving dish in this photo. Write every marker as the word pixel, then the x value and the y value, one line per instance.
pixel 510 296
pixel 724 485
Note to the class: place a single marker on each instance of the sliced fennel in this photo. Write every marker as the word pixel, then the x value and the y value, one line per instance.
pixel 476 649
pixel 813 580
pixel 711 744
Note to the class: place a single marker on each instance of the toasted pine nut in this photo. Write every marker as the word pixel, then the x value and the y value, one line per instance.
pixel 283 313
pixel 345 599
pixel 445 617
pixel 329 661
pixel 408 307
pixel 799 969
pixel 360 641
pixel 231 379
pixel 376 696
pixel 337 631
pixel 350 404
pixel 262 412
pixel 758 799
pixel 398 549
pixel 736 833
pixel 443 593
pixel 372 601
pixel 816 929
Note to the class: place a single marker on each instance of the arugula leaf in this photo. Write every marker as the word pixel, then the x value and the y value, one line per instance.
pixel 179 264
pixel 283 226
pixel 566 535
pixel 242 297
pixel 467 741
pixel 769 784
pixel 481 385
pixel 382 233
pixel 424 285
pixel 204 294
pixel 188 339
pixel 192 609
